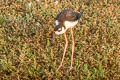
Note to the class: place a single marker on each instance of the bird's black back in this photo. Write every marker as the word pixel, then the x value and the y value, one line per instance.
pixel 68 15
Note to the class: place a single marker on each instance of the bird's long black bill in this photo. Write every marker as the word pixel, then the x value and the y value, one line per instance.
pixel 53 38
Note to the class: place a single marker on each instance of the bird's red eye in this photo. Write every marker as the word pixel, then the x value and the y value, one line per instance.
pixel 59 29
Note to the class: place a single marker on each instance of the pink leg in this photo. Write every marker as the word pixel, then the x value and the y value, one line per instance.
pixel 66 44
pixel 73 46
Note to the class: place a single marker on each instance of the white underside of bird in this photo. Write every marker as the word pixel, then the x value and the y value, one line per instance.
pixel 67 24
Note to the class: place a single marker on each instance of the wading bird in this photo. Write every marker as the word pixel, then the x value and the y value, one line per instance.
pixel 64 20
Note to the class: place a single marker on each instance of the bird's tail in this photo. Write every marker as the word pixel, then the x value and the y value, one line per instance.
pixel 79 15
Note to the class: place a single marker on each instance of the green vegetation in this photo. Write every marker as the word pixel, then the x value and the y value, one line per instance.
pixel 27 51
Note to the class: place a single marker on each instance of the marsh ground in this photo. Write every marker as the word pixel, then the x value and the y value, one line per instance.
pixel 27 52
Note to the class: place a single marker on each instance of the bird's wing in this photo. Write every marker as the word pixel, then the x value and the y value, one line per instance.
pixel 71 16
pixel 68 15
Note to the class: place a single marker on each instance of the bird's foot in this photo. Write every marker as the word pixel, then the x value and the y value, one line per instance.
pixel 70 68
pixel 59 67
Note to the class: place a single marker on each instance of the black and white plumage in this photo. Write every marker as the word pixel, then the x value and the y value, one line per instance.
pixel 64 20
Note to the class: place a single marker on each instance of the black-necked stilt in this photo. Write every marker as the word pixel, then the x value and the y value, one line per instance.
pixel 66 19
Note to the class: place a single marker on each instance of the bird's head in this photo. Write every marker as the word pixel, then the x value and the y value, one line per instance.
pixel 59 29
